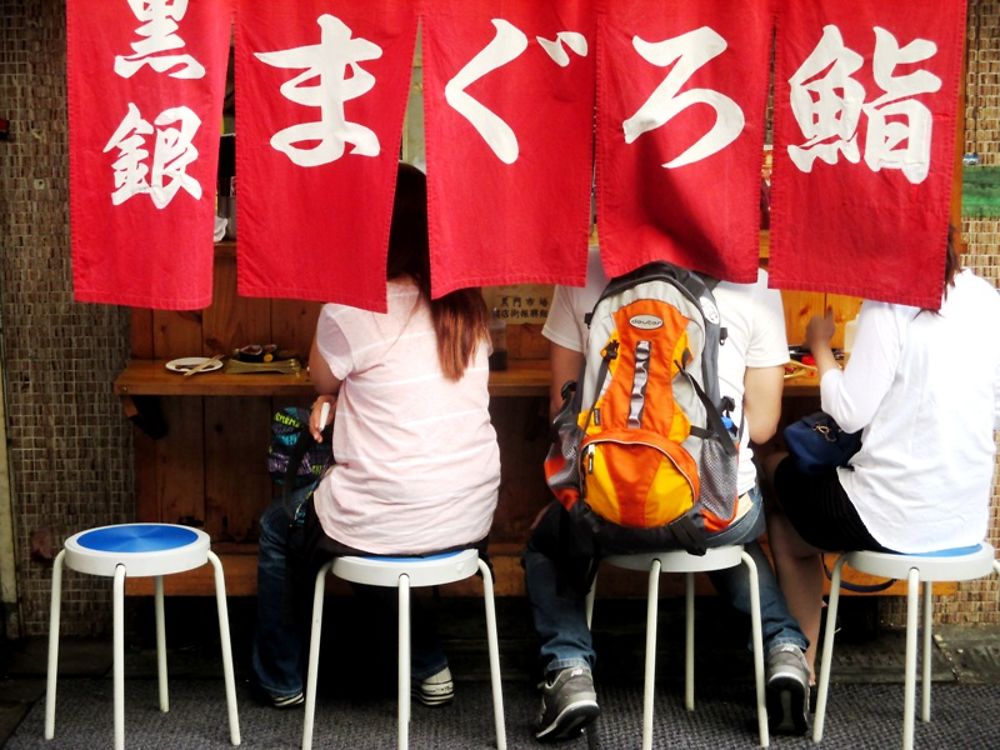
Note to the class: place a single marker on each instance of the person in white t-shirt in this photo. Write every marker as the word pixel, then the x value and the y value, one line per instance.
pixel 751 374
pixel 417 463
pixel 924 388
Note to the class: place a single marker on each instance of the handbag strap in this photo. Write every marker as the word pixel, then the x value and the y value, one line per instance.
pixel 861 588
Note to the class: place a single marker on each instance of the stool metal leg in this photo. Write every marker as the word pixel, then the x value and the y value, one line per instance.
pixel 827 656
pixel 589 603
pixel 493 644
pixel 161 644
pixel 925 703
pixel 910 680
pixel 119 656
pixel 689 641
pixel 758 649
pixel 53 667
pixel 652 605
pixel 227 650
pixel 313 669
pixel 403 740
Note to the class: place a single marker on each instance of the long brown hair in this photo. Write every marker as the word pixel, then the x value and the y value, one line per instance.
pixel 952 267
pixel 952 263
pixel 460 318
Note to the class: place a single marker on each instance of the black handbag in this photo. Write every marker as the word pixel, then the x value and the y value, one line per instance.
pixel 817 443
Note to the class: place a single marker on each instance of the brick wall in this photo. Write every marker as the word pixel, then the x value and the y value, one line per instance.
pixel 977 601
pixel 70 447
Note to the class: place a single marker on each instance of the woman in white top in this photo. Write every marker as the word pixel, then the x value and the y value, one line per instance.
pixel 924 386
pixel 417 463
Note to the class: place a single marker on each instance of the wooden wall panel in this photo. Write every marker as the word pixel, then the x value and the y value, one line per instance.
pixel 525 341
pixel 522 429
pixel 147 495
pixel 844 309
pixel 177 334
pixel 233 321
pixel 799 308
pixel 293 323
pixel 180 459
pixel 237 485
pixel 141 334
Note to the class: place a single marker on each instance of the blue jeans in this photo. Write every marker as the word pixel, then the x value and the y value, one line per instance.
pixel 281 639
pixel 559 612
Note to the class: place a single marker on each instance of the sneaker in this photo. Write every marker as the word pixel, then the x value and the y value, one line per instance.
pixel 436 690
pixel 264 698
pixel 288 701
pixel 788 690
pixel 569 704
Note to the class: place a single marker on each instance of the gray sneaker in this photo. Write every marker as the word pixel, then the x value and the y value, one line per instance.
pixel 787 690
pixel 569 703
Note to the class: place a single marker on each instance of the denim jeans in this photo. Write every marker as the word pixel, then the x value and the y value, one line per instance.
pixel 284 598
pixel 559 612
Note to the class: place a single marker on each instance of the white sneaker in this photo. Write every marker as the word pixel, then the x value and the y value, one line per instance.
pixel 436 690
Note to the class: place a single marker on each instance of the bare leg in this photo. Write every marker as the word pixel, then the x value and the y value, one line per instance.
pixel 799 568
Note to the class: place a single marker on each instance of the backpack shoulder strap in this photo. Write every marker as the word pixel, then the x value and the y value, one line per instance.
pixel 709 281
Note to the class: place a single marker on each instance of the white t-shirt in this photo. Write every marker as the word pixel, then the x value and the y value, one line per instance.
pixel 926 389
pixel 751 313
pixel 418 467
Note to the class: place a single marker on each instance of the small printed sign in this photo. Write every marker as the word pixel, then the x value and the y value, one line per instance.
pixel 520 303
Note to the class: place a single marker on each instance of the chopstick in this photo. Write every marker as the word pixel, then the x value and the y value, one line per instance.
pixel 202 366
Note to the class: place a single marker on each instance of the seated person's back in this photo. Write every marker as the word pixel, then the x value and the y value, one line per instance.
pixel 417 459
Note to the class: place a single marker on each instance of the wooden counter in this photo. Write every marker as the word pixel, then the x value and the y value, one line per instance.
pixel 149 377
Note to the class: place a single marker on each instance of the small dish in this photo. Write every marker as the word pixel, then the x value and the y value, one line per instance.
pixel 189 363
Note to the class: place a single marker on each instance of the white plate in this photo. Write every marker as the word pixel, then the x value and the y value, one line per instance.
pixel 187 363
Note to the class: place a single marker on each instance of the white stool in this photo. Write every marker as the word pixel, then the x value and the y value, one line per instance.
pixel 680 561
pixel 962 564
pixel 404 573
pixel 137 550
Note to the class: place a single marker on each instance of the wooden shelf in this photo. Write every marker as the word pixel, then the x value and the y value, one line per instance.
pixel 149 377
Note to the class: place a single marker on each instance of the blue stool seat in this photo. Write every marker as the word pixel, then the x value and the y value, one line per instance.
pixel 403 573
pixel 145 549
pixel 955 564
pixel 137 550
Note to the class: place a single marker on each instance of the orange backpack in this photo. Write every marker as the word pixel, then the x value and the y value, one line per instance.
pixel 645 456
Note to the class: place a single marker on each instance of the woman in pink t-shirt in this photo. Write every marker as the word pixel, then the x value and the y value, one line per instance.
pixel 417 464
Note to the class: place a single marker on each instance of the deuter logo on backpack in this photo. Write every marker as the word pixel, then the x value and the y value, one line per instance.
pixel 642 455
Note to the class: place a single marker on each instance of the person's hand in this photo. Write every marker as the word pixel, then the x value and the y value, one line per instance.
pixel 315 427
pixel 818 334
pixel 820 330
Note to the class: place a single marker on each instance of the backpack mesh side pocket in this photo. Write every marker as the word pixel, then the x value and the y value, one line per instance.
pixel 718 480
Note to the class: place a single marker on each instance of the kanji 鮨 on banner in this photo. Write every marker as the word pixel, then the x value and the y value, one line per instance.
pixel 145 86
pixel 320 98
pixel 864 119
pixel 681 96
pixel 509 98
